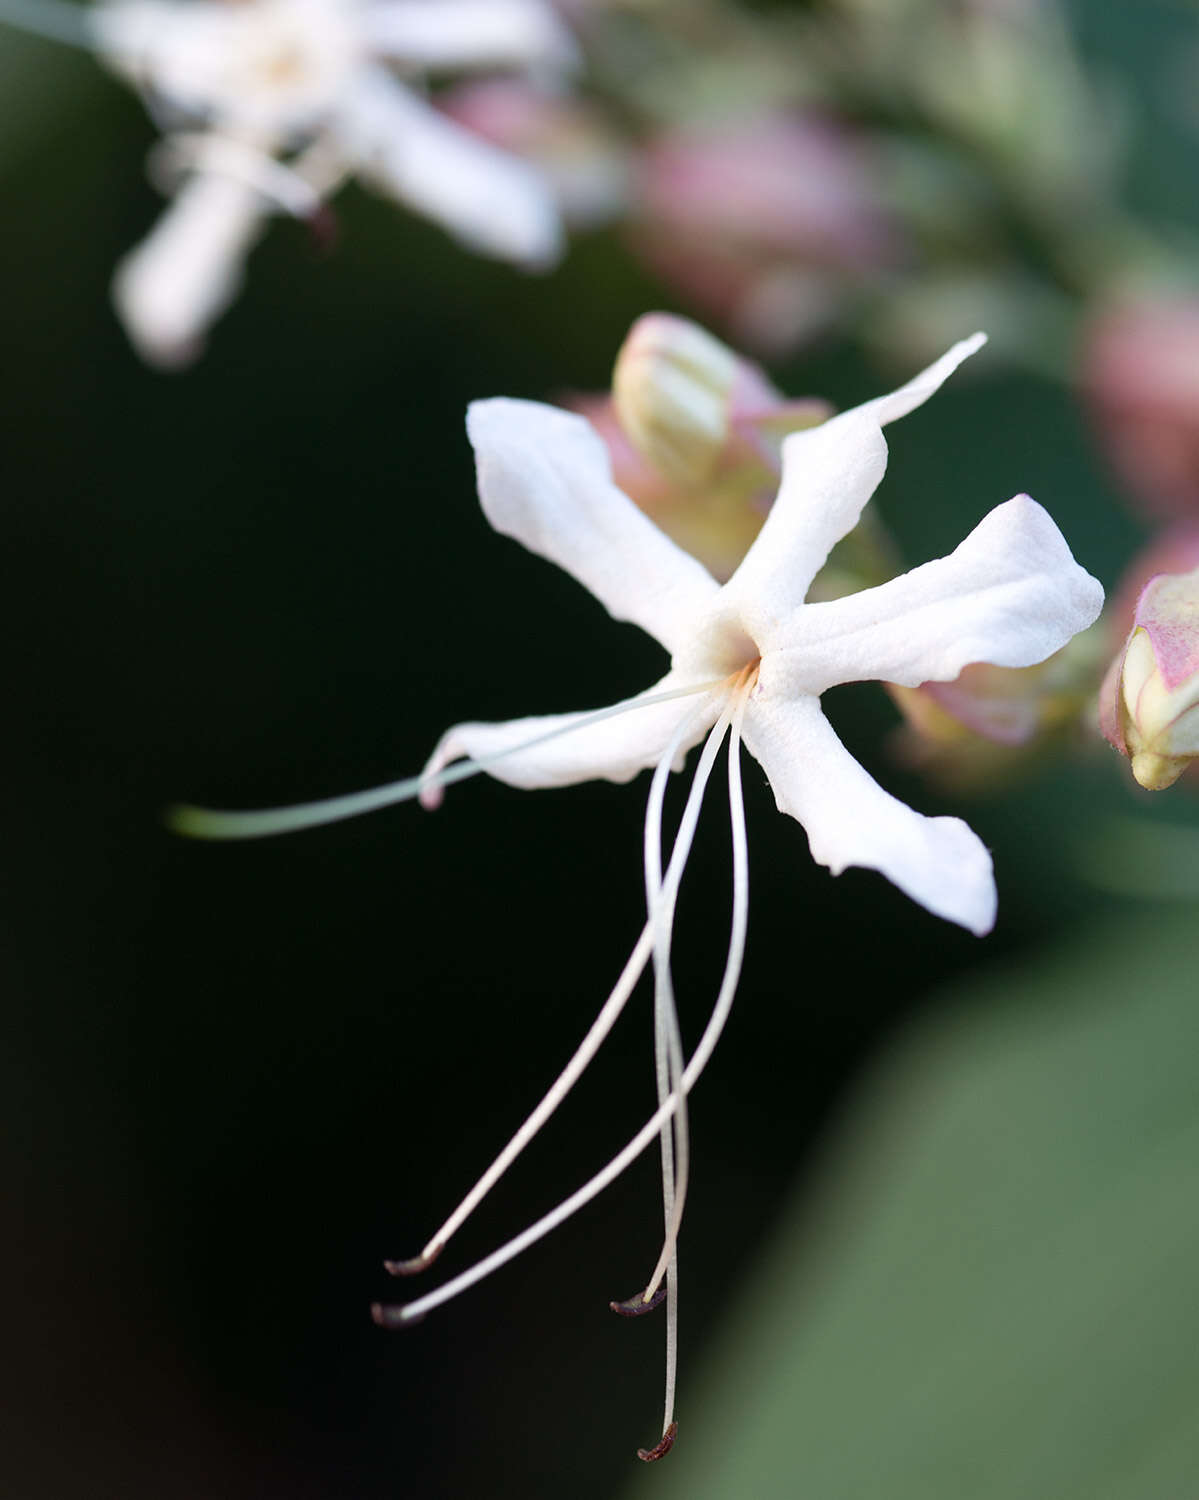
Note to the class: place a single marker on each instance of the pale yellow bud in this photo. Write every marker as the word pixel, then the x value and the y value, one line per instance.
pixel 1161 726
pixel 673 390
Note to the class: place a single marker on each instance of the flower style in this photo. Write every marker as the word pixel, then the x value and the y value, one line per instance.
pixel 270 104
pixel 750 660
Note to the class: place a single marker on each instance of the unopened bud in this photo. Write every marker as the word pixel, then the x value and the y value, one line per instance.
pixel 674 388
pixel 1150 698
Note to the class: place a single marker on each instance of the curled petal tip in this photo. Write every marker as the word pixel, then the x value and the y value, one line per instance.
pixel 412 1267
pixel 391 1316
pixel 637 1306
pixel 660 1448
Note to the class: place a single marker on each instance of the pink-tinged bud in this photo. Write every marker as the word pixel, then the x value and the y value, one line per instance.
pixel 1174 550
pixel 1140 375
pixel 1149 703
pixel 765 223
pixel 680 395
pixel 695 435
pixel 992 723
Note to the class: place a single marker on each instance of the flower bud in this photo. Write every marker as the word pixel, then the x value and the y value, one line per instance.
pixel 673 387
pixel 1149 703
pixel 991 724
pixel 695 435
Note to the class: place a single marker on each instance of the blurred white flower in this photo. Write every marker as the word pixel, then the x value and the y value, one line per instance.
pixel 269 105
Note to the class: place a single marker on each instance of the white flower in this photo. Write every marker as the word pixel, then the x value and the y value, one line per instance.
pixel 1011 594
pixel 272 103
pixel 749 659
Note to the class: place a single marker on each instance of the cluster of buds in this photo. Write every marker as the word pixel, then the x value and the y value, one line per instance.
pixel 1149 704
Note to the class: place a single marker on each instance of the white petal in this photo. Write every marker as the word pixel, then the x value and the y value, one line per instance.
pixel 545 478
pixel 829 473
pixel 536 752
pixel 917 391
pixel 187 270
pixel 1011 595
pixel 939 862
pixel 488 199
pixel 468 33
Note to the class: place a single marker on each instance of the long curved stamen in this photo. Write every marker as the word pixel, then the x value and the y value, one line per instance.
pixel 728 983
pixel 397 1317
pixel 584 1053
pixel 54 20
pixel 668 1061
pixel 213 823
pixel 668 1055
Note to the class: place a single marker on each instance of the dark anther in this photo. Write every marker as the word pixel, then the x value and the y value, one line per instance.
pixel 661 1449
pixel 393 1316
pixel 411 1267
pixel 636 1307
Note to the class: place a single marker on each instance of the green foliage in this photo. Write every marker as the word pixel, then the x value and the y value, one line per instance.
pixel 996 1297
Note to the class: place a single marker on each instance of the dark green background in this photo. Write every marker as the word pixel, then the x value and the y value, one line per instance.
pixel 233 1079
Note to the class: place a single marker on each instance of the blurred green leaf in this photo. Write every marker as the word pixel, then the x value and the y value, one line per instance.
pixel 998 1295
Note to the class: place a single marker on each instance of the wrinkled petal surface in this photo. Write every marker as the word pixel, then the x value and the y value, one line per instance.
pixel 170 288
pixel 534 752
pixel 468 33
pixel 850 820
pixel 829 473
pixel 489 200
pixel 1011 594
pixel 545 479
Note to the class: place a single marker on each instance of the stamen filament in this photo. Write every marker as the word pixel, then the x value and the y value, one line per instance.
pixel 212 823
pixel 668 1046
pixel 587 1048
pixel 736 948
pixel 733 960
pixel 669 1066
pixel 394 1317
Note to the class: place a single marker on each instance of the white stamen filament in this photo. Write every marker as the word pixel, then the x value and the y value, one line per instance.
pixel 590 1044
pixel 732 966
pixel 54 20
pixel 214 823
pixel 412 1311
pixel 668 1046
pixel 669 1065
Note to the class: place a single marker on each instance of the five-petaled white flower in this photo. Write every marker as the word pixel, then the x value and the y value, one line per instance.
pixel 270 104
pixel 1011 594
pixel 749 659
